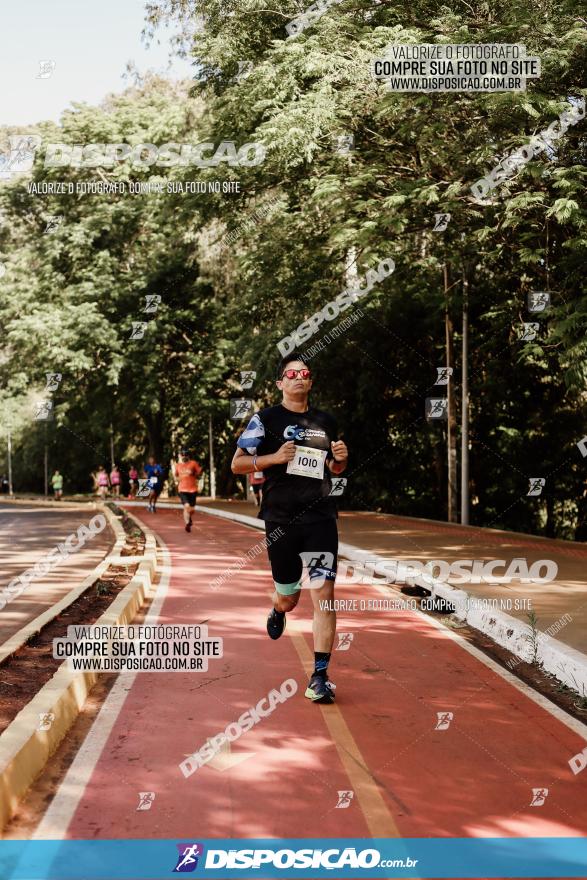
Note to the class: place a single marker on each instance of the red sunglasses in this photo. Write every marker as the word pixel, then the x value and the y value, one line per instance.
pixel 291 374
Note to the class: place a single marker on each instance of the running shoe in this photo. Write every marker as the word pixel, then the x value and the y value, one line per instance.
pixel 188 526
pixel 320 690
pixel 275 623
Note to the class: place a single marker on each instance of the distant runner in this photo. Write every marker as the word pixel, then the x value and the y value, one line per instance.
pixel 257 479
pixel 133 481
pixel 186 473
pixel 154 475
pixel 102 481
pixel 57 483
pixel 115 480
pixel 295 446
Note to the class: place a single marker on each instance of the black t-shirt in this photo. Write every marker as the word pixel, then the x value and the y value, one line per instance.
pixel 304 495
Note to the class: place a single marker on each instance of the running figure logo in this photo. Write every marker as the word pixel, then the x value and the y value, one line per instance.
pixel 46 68
pixel 441 221
pixel 344 800
pixel 338 485
pixel 189 853
pixel 144 488
pixel 138 329
pixel 240 408
pixel 444 374
pixel 529 332
pixel 444 719
pixel 146 799
pixel 152 302
pixel 536 485
pixel 344 144
pixel 539 795
pixel 247 379
pixel 319 566
pixel 46 719
pixel 53 380
pixel 344 642
pixel 53 223
pixel 538 301
pixel 437 408
pixel 582 447
pixel 42 410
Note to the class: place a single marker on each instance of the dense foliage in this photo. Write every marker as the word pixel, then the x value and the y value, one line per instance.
pixel 68 298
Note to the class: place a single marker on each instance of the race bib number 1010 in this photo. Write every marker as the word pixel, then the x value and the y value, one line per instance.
pixel 308 462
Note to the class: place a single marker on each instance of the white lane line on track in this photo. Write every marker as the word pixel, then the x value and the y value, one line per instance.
pixel 55 822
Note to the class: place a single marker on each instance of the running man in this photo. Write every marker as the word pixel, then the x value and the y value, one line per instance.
pixel 186 472
pixel 296 447
pixel 154 475
pixel 57 483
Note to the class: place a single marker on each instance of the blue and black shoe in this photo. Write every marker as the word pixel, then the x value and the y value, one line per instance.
pixel 320 690
pixel 275 623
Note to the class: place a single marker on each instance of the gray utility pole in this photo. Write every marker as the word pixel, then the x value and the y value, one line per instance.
pixel 212 468
pixel 10 492
pixel 112 462
pixel 465 406
pixel 46 457
pixel 451 406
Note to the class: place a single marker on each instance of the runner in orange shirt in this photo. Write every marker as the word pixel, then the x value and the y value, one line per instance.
pixel 186 473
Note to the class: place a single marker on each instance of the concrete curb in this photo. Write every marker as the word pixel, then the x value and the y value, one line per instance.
pixel 567 664
pixel 24 748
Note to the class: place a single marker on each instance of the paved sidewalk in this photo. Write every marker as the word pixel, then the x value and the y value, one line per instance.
pixel 27 532
pixel 407 538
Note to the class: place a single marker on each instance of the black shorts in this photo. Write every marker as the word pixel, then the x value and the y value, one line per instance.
pixel 317 541
pixel 188 498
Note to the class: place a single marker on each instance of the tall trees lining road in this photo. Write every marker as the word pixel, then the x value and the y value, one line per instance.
pixel 69 298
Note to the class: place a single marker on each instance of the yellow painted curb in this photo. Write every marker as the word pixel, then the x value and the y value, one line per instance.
pixel 24 748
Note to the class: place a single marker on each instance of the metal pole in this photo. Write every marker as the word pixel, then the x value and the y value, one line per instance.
pixel 465 406
pixel 212 468
pixel 46 465
pixel 10 492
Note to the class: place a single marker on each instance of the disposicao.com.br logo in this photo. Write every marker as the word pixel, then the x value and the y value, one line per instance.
pixel 322 859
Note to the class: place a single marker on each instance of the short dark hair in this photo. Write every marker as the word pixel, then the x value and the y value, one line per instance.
pixel 287 359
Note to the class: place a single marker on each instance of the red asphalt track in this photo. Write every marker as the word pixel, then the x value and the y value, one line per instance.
pixel 474 779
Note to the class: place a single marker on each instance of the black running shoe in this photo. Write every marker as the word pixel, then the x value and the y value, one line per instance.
pixel 276 623
pixel 320 690
pixel 188 526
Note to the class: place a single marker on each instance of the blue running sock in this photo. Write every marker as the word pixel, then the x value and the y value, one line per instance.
pixel 321 661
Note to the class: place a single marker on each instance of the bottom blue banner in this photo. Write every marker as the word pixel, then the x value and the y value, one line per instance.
pixel 270 858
